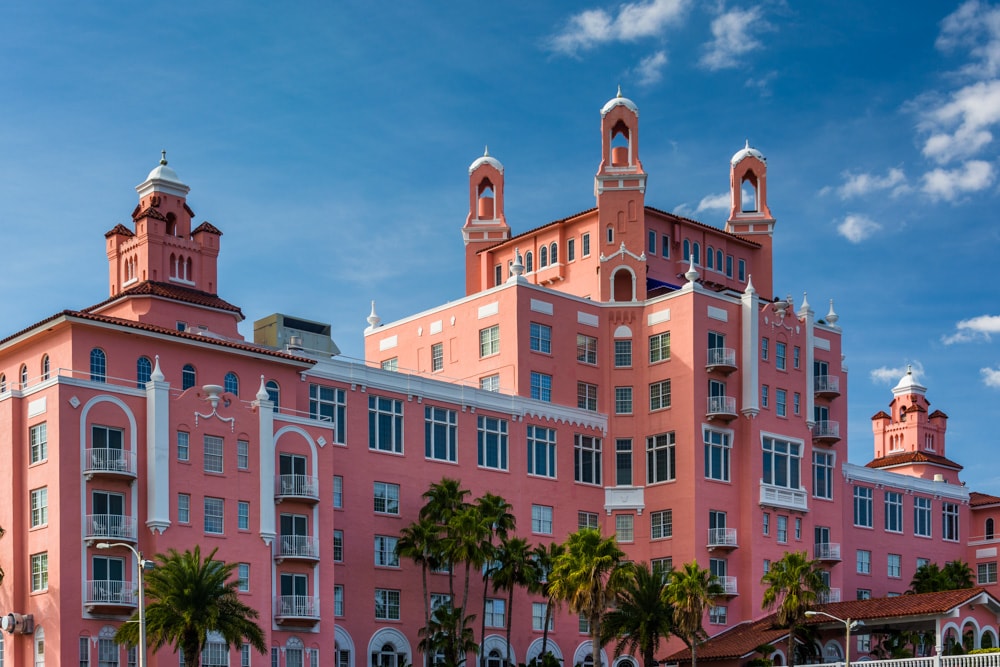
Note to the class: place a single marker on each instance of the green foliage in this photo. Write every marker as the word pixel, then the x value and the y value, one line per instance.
pixel 931 578
pixel 977 651
pixel 691 590
pixel 544 660
pixel 448 633
pixel 642 616
pixel 793 585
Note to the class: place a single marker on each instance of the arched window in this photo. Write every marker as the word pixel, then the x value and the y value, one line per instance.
pixel 528 263
pixel 687 250
pixel 45 367
pixel 718 260
pixel 554 252
pixel 611 234
pixel 232 383
pixel 697 253
pixel 143 371
pixel 342 655
pixel 24 376
pixel 293 653
pixel 188 377
pixel 494 659
pixel 543 257
pixel 710 258
pixel 3 382
pixel 387 657
pixel 989 529
pixel 98 365
pixel 171 224
pixel 273 393
pixel 39 647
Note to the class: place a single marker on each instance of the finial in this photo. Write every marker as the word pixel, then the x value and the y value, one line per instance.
pixel 157 374
pixel 373 319
pixel 516 267
pixel 749 289
pixel 262 392
pixel 163 157
pixel 747 145
pixel 832 317
pixel 619 90
pixel 909 369
pixel 692 273
pixel 486 152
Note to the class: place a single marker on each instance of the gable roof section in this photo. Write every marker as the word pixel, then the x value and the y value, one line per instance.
pixel 977 499
pixel 170 291
pixel 903 458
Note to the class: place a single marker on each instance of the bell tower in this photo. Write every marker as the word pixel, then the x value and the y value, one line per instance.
pixel 485 225
pixel 749 215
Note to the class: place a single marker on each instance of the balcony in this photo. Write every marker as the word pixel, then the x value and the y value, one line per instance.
pixel 784 497
pixel 296 487
pixel 721 407
pixel 110 597
pixel 109 462
pixel 827 551
pixel 297 609
pixel 827 386
pixel 728 585
pixel 296 547
pixel 721 359
pixel 722 538
pixel 110 527
pixel 826 432
pixel 831 595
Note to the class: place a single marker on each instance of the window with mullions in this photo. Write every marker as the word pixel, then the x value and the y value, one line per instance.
pixel 385 551
pixel 949 522
pixel 541 519
pixel 541 451
pixel 541 386
pixel 623 462
pixel 922 516
pixel 437 356
pixel 231 384
pixel 386 604
pixel 492 443
pixel 780 350
pixel 659 347
pixel 586 396
pixel 587 459
pixel 823 475
pixel 623 354
pixel 489 341
pixel 623 400
pixel 38 443
pixel 386 498
pixel 893 512
pixel 717 448
pixel 385 424
pixel 213 454
pixel 143 372
pixel 540 338
pixel 214 516
pixel 188 377
pixel 782 463
pixel 98 365
pixel 660 458
pixel 661 524
pixel 587 520
pixel 329 404
pixel 440 434
pixel 586 349
pixel 863 506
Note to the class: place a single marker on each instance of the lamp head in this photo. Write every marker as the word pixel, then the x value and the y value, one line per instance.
pixel 810 614
pixel 103 545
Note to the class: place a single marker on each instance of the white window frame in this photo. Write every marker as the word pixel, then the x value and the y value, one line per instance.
pixel 215 515
pixel 541 451
pixel 386 498
pixel 541 519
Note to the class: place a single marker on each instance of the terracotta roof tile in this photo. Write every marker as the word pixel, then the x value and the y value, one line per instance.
pixel 902 458
pixel 207 227
pixel 938 413
pixel 704 226
pixel 170 291
pixel 149 212
pixel 977 499
pixel 881 414
pixel 119 229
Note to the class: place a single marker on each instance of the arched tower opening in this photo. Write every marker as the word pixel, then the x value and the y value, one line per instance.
pixel 486 202
pixel 621 146
pixel 749 193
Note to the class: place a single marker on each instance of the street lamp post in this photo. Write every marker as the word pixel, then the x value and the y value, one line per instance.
pixel 848 625
pixel 143 564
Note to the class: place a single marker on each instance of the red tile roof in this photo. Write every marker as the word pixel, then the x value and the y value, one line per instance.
pixel 149 212
pixel 207 227
pixel 170 291
pixel 902 458
pixel 977 499
pixel 119 229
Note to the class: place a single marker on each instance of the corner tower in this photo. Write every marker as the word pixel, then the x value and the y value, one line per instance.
pixel 749 215
pixel 485 225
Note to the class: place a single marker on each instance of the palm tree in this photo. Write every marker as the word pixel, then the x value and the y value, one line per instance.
pixel 442 501
pixel 417 542
pixel 545 557
pixel 186 598
pixel 930 578
pixel 642 616
pixel 448 633
pixel 793 585
pixel 495 512
pixel 587 576
pixel 464 537
pixel 957 574
pixel 515 567
pixel 691 591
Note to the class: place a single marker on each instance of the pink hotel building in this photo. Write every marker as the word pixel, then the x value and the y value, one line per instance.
pixel 624 368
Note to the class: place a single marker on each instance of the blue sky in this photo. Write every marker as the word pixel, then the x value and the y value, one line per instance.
pixel 330 142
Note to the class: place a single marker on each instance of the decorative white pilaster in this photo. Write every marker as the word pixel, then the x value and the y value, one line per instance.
pixel 265 413
pixel 751 348
pixel 157 451
pixel 808 318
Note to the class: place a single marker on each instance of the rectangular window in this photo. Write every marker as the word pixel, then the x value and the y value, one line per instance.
pixel 986 573
pixel 587 459
pixel 440 434
pixel 623 354
pixel 541 451
pixel 183 508
pixel 922 516
pixel 659 347
pixel 665 245
pixel 540 339
pixel 386 604
pixel 213 453
pixel 893 512
pixel 494 617
pixel 796 356
pixel 243 577
pixel 652 242
pixel 764 349
pixel 623 400
pixel 385 551
pixel 585 245
pixel 780 403
pixel 623 462
pixel 863 594
pixel 39 442
pixel 242 455
pixel 659 395
pixel 385 424
pixel 338 600
pixel 743 270
pixel 386 498
pixel 822 475
pixel 864 561
pixel 782 528
pixel 84 652
pixel 39 507
pixel 214 515
pixel 183 446
pixel 391 364
pixel 338 492
pixel 489 341
pixel 662 566
pixel 338 546
pixel 244 655
pixel 894 565
pixel 767 566
pixel 541 386
pixel 586 349
pixel 587 520
pixel 717 447
pixel 797 403
pixel 541 519
pixel 718 614
pixel 863 506
pixel 586 396
pixel 625 528
pixel 437 356
pixel 782 463
pixel 764 395
pixel 39 572
pixel 949 522
pixel 661 524
pixel 660 458
pixel 570 250
pixel 490 383
pixel 492 443
pixel 729 266
pixel 243 515
pixel 780 350
pixel 798 528
pixel 538 613
pixel 766 523
pixel 497 274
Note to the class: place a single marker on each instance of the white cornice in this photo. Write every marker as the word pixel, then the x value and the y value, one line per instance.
pixel 855 473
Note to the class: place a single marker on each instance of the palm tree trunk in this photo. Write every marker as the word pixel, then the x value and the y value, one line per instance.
pixel 510 616
pixel 482 625
pixel 545 628
pixel 427 602
pixel 694 651
pixel 790 658
pixel 595 642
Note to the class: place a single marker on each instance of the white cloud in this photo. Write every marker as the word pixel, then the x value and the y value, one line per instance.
pixel 948 184
pixel 886 375
pixel 977 27
pixel 859 185
pixel 960 127
pixel 733 36
pixel 856 228
pixel 650 68
pixel 991 376
pixel 980 327
pixel 715 202
pixel 593 27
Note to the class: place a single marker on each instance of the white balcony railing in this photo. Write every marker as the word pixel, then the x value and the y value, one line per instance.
pixel 721 537
pixel 728 584
pixel 109 460
pixel 301 486
pixel 780 496
pixel 298 606
pixel 826 430
pixel 826 551
pixel 721 356
pixel 976 660
pixel 831 595
pixel 827 384
pixel 108 592
pixel 110 526
pixel 721 405
pixel 298 546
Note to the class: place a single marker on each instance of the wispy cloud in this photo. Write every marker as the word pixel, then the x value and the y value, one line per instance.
pixel 636 20
pixel 721 201
pixel 733 35
pixel 961 126
pixel 949 184
pixel 974 26
pixel 860 185
pixel 887 375
pixel 991 376
pixel 650 69
pixel 979 328
pixel 856 228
